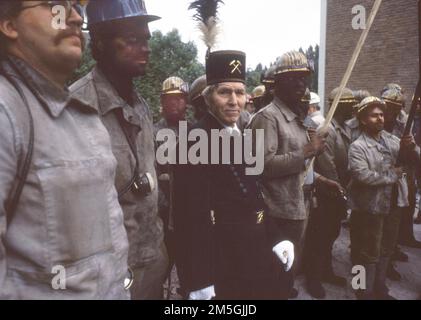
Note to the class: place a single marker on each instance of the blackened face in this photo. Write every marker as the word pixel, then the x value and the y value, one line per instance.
pixel 292 86
pixel 345 111
pixel 129 48
pixel 392 112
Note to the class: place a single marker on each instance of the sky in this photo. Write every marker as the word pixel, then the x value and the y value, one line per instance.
pixel 264 29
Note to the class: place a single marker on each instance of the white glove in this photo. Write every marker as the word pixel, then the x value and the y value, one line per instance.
pixel 203 294
pixel 285 252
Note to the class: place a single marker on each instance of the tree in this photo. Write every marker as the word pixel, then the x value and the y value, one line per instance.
pixel 170 56
pixel 313 57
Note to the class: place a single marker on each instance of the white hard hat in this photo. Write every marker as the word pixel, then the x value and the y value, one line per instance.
pixel 314 98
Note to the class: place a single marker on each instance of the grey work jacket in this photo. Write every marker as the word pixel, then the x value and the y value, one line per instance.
pixel 143 225
pixel 68 218
pixel 283 176
pixel 371 167
pixel 333 163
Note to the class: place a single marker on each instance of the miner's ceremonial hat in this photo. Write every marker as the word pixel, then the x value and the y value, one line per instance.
pixel 225 66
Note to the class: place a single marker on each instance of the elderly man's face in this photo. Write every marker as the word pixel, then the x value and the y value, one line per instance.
pixel 34 37
pixel 227 101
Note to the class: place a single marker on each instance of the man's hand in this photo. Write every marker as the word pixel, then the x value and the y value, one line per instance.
pixel 332 184
pixel 408 142
pixel 285 252
pixel 317 143
pixel 203 294
pixel 399 171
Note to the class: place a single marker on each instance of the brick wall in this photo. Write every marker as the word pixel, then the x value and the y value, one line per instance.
pixel 390 53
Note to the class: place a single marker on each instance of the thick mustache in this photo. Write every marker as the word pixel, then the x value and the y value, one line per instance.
pixel 69 33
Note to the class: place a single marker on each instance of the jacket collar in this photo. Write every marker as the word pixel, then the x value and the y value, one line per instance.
pixel 287 112
pixel 96 91
pixel 373 143
pixel 54 99
pixel 341 129
pixel 108 98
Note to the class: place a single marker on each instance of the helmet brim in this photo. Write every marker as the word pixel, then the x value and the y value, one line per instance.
pixel 145 18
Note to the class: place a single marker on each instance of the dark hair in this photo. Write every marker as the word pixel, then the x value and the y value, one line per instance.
pixel 8 8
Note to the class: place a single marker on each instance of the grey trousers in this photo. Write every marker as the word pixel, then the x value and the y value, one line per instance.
pixel 148 280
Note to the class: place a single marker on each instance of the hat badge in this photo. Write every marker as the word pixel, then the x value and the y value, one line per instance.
pixel 235 64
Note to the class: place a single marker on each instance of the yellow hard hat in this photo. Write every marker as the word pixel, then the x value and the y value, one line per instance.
pixel 268 77
pixel 346 97
pixel 394 96
pixel 293 61
pixel 258 92
pixel 369 101
pixel 174 85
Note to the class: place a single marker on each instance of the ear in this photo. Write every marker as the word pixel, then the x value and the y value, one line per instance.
pixel 8 28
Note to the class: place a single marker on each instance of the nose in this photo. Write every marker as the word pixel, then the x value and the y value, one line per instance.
pixel 146 49
pixel 233 99
pixel 75 18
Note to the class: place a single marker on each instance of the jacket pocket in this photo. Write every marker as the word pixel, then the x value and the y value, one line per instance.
pixel 75 281
pixel 78 199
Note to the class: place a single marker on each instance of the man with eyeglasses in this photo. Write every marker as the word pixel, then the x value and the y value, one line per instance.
pixel 61 227
pixel 119 40
pixel 287 146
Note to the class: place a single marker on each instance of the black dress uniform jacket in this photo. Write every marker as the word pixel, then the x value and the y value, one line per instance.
pixel 221 232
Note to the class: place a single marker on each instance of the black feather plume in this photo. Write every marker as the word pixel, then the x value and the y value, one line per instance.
pixel 207 17
pixel 205 9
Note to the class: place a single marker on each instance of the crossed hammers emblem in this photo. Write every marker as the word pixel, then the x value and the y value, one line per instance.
pixel 236 64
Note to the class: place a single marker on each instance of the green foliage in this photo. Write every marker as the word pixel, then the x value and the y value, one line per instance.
pixel 170 57
pixel 313 55
pixel 253 77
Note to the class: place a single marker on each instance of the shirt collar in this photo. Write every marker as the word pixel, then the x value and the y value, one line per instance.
pixel 233 129
pixel 230 129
